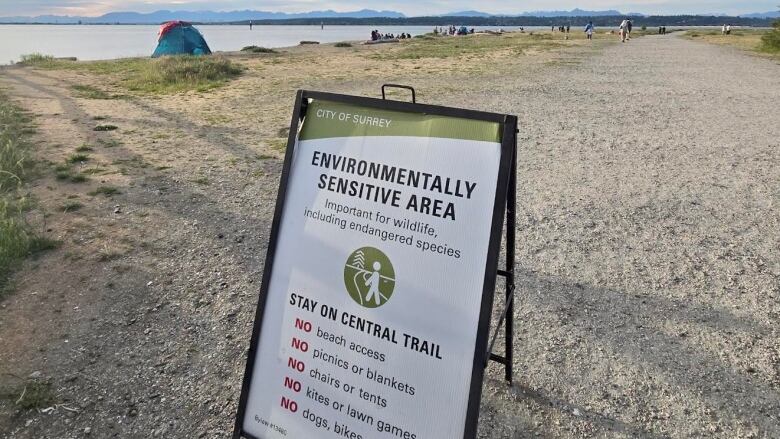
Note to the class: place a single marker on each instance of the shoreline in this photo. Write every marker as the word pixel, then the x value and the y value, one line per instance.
pixel 142 45
pixel 627 262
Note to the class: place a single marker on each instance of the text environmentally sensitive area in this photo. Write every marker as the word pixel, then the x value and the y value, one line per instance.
pixel 374 295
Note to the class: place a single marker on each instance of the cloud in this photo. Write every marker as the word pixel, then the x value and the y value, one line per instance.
pixel 409 7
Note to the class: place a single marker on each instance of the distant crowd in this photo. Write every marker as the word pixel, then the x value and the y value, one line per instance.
pixel 624 31
pixel 377 36
pixel 452 30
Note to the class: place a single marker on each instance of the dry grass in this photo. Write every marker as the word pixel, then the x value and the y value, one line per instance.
pixel 750 40
pixel 477 44
pixel 16 239
pixel 170 74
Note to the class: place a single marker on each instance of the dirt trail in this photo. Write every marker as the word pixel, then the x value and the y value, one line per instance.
pixel 648 236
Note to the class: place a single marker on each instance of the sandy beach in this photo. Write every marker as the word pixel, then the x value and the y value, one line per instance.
pixel 648 232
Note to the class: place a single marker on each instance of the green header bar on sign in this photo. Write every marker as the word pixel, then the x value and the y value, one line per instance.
pixel 326 119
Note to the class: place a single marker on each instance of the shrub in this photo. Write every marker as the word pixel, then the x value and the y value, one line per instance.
pixel 77 158
pixel 13 147
pixel 35 59
pixel 104 190
pixel 343 44
pixel 178 73
pixel 771 41
pixel 258 49
pixel 16 240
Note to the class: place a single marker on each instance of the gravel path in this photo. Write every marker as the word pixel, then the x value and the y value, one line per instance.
pixel 648 236
pixel 648 247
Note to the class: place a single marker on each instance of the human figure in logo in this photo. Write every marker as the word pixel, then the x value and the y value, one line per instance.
pixel 373 284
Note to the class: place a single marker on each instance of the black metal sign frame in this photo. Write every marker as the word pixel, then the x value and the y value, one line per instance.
pixel 504 197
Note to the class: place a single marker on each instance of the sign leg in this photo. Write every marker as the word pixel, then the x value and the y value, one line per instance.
pixel 511 205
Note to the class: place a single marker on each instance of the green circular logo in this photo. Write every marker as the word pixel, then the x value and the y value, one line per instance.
pixel 369 277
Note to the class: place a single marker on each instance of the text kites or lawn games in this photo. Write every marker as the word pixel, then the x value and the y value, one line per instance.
pixel 376 296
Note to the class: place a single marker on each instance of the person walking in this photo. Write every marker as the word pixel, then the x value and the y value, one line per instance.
pixel 723 29
pixel 589 30
pixel 728 29
pixel 623 30
pixel 629 26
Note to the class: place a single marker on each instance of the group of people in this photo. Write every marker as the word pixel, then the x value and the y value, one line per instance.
pixel 662 30
pixel 452 30
pixel 563 29
pixel 726 29
pixel 376 36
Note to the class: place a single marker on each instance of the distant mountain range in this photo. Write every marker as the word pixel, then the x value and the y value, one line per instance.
pixel 572 13
pixel 771 14
pixel 240 16
pixel 197 16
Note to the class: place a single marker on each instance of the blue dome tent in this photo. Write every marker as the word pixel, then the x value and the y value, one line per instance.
pixel 180 38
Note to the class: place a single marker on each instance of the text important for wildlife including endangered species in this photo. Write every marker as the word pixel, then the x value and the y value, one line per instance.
pixel 372 301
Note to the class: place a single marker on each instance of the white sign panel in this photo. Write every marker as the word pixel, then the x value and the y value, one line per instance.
pixel 372 308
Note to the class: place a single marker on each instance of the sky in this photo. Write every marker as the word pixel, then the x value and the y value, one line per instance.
pixel 408 7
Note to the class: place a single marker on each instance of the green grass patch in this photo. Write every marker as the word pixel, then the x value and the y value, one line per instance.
pixel 343 44
pixel 84 148
pixel 15 163
pixel 202 181
pixel 77 158
pixel 70 176
pixel 78 178
pixel 770 42
pixel 107 191
pixel 14 238
pixel 278 144
pixel 468 45
pixel 36 60
pixel 182 73
pixel 170 74
pixel 109 143
pixel 32 394
pixel 105 128
pixel 94 171
pixel 258 49
pixel 752 40
pixel 17 240
pixel 89 92
pixel 72 206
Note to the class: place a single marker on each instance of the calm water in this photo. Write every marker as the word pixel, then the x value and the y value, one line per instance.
pixel 120 41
